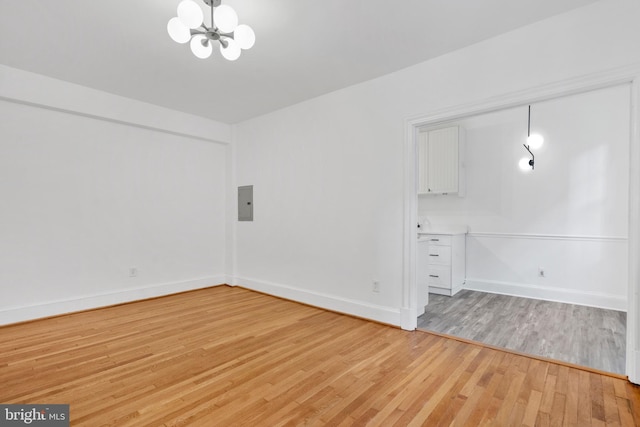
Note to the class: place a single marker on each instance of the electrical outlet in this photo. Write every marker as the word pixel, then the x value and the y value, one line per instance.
pixel 376 286
pixel 540 272
pixel 133 272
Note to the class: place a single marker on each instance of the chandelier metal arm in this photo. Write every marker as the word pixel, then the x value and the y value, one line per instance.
pixel 212 34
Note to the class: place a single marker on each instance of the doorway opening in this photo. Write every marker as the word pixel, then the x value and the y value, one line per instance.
pixel 547 250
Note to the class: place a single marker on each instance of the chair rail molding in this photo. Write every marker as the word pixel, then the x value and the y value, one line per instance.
pixel 535 236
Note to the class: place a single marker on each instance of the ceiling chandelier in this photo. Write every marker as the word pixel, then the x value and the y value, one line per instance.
pixel 189 26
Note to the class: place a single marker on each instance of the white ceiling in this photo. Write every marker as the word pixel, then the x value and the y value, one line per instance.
pixel 303 48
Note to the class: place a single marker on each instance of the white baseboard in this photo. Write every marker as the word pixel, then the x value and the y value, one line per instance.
pixel 52 308
pixel 409 319
pixel 633 366
pixel 569 296
pixel 356 308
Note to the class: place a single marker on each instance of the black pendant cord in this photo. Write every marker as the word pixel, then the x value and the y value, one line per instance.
pixel 533 157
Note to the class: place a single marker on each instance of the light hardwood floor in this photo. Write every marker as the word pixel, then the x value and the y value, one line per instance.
pixel 227 356
pixel 587 336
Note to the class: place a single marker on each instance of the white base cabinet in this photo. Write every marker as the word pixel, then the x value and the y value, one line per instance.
pixel 441 264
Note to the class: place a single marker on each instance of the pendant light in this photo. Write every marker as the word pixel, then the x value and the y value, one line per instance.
pixel 534 142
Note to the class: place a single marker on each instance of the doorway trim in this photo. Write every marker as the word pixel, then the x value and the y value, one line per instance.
pixel 626 75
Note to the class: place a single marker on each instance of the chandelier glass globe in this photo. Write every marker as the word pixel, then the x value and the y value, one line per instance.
pixel 232 51
pixel 201 47
pixel 178 31
pixel 190 14
pixel 225 18
pixel 244 36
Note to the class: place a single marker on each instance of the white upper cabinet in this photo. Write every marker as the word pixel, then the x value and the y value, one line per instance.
pixel 440 161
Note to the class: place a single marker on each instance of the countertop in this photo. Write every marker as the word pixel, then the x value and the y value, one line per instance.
pixel 444 229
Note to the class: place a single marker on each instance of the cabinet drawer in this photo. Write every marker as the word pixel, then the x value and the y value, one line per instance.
pixel 439 276
pixel 439 255
pixel 439 239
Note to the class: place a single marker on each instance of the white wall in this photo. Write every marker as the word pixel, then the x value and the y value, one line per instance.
pixel 95 184
pixel 569 216
pixel 328 173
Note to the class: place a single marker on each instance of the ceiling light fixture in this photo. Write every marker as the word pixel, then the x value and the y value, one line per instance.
pixel 534 141
pixel 189 26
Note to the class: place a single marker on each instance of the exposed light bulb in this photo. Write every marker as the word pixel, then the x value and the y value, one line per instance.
pixel 190 14
pixel 524 164
pixel 244 36
pixel 232 51
pixel 200 50
pixel 535 141
pixel 225 18
pixel 178 31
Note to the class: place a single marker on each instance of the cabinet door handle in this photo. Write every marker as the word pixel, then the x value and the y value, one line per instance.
pixel 433 275
pixel 434 255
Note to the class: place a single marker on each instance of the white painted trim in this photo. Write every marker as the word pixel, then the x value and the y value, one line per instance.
pixel 110 120
pixel 585 83
pixel 410 242
pixel 545 92
pixel 633 329
pixel 231 211
pixel 389 315
pixel 36 90
pixel 52 308
pixel 409 317
pixel 570 237
pixel 568 296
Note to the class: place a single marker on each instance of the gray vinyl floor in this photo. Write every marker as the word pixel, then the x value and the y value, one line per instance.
pixel 586 336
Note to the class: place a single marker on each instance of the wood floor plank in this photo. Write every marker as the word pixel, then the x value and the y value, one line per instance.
pixel 544 420
pixel 571 406
pixel 509 402
pixel 531 411
pixel 611 415
pixel 584 399
pixel 478 402
pixel 625 412
pixel 597 398
pixel 548 394
pixel 229 356
pixel 557 410
pixel 477 370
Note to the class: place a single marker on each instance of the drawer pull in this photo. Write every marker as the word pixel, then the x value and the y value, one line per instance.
pixel 434 255
pixel 435 240
pixel 433 275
